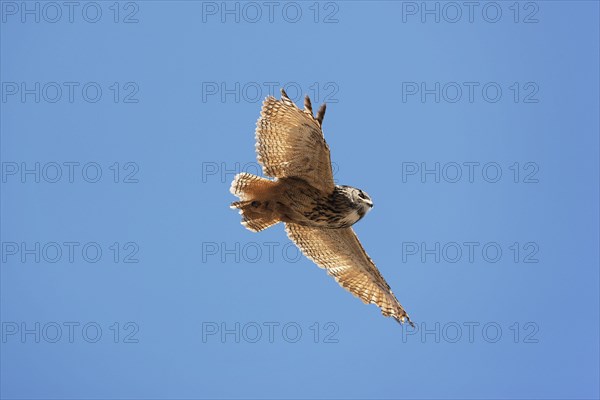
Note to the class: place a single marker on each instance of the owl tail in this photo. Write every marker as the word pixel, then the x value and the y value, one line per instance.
pixel 255 203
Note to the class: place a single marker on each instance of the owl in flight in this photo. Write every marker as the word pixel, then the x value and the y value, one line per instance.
pixel 318 214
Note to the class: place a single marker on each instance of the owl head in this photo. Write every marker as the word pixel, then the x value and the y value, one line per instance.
pixel 359 199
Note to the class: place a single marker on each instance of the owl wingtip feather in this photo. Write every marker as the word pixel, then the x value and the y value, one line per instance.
pixel 404 319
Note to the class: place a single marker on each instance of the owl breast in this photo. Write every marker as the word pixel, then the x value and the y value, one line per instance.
pixel 325 217
pixel 308 206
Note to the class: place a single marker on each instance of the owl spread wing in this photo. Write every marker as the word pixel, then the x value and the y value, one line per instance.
pixel 340 253
pixel 290 142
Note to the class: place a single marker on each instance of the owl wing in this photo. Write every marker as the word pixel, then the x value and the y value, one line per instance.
pixel 340 253
pixel 290 142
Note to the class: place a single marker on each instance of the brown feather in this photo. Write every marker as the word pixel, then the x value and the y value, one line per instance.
pixel 340 253
pixel 321 114
pixel 290 143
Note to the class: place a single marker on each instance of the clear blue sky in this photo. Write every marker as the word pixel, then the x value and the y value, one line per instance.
pixel 474 129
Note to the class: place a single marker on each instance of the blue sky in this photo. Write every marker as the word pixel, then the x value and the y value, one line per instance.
pixel 124 274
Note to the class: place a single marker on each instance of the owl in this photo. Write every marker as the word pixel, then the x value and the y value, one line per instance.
pixel 318 214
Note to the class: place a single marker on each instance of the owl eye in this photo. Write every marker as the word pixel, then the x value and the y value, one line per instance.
pixel 362 195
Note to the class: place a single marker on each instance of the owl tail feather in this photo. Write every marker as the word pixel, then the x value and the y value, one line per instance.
pixel 255 205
